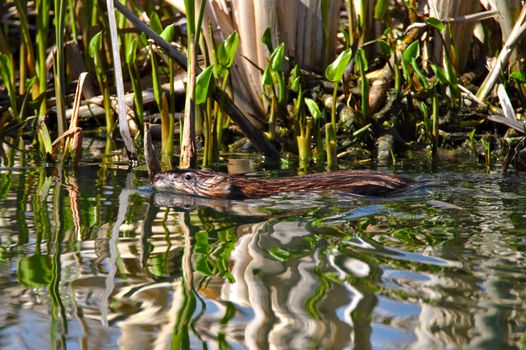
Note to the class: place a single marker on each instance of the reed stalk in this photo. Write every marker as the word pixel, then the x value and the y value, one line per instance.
pixel 59 67
pixel 42 7
pixel 166 134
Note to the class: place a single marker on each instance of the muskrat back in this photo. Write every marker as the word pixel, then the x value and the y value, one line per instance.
pixel 206 183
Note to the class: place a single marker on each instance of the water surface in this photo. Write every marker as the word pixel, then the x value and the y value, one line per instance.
pixel 94 259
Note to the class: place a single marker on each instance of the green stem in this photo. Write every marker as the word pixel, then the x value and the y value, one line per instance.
pixel 333 107
pixel 59 67
pixel 435 122
pixel 42 32
pixel 221 115
pixel 330 139
pixel 272 119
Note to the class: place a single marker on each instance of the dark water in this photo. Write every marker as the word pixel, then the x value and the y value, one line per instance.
pixel 92 259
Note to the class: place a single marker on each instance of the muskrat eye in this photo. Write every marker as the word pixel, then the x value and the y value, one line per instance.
pixel 188 176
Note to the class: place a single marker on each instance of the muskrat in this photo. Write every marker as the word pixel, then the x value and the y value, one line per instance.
pixel 206 183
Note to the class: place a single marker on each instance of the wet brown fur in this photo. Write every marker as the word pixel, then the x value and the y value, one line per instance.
pixel 218 185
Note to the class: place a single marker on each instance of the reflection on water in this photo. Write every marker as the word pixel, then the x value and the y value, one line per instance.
pixel 93 259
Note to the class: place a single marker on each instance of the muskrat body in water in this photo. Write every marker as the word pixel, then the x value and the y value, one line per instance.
pixel 205 183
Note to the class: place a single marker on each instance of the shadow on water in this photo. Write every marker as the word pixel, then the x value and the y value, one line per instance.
pixel 95 259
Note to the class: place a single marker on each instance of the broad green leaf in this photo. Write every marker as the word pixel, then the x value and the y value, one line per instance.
pixel 386 49
pixel 226 51
pixel 267 77
pixel 202 85
pixel 155 23
pixel 168 33
pixel 435 22
pixel 313 108
pixel 334 71
pixel 276 59
pixel 267 39
pixel 412 51
pixel 95 46
pixel 201 265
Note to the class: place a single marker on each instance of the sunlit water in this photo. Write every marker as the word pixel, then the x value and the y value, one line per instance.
pixel 93 259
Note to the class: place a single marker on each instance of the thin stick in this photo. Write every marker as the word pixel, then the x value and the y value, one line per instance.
pixel 123 120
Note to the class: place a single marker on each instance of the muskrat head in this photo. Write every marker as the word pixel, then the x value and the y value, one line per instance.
pixel 193 182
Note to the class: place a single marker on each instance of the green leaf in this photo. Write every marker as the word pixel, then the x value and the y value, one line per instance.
pixel 435 22
pixel 202 85
pixel 155 23
pixel 276 59
pixel 189 6
pixel 201 265
pixel 168 33
pixel 267 39
pixel 386 48
pixel 420 74
pixel 95 46
pixel 335 70
pixel 201 242
pixel 281 87
pixel 440 73
pixel 226 51
pixel 295 79
pixel 380 10
pixel 519 76
pixel 6 73
pixel 472 135
pixel 267 76
pixel 412 51
pixel 6 67
pixel 280 254
pixel 131 55
pixel 313 108
pixel 295 84
pixel 45 137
